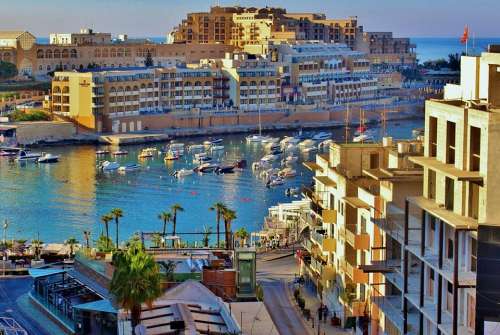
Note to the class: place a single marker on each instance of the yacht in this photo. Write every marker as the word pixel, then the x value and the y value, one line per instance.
pixel 365 137
pixel 287 173
pixel 213 141
pixel 182 173
pixel 291 159
pixel 146 153
pixel 255 138
pixel 171 156
pixel 129 167
pixel 27 156
pixel 195 147
pixel 321 136
pixel 9 152
pixel 307 143
pixel 109 166
pixel 48 158
pixel 224 169
pixel 275 182
pixel 307 150
pixel 269 158
pixel 207 167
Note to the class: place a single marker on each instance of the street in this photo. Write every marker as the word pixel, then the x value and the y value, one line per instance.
pixel 273 276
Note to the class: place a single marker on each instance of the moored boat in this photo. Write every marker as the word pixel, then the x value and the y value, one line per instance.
pixel 224 169
pixel 48 158
pixel 120 153
pixel 129 167
pixel 183 172
pixel 109 166
pixel 27 156
pixel 321 136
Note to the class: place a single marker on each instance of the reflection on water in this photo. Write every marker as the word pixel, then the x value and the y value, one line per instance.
pixel 64 199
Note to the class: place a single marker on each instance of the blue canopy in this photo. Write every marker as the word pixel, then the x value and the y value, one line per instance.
pixel 97 306
pixel 36 273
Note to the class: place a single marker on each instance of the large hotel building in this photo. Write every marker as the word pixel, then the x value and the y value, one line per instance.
pixel 404 237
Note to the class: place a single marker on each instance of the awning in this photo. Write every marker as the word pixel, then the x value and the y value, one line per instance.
pixel 37 273
pixel 312 166
pixel 356 202
pixel 325 180
pixel 97 306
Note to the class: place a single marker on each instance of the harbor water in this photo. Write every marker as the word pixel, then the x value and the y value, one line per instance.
pixel 61 200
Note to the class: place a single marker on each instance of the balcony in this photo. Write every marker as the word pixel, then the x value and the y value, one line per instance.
pixel 355 307
pixel 391 306
pixel 449 170
pixel 357 275
pixel 324 271
pixel 357 241
pixel 325 243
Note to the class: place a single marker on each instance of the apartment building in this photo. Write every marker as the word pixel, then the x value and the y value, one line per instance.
pixel 85 36
pixel 317 71
pixel 345 201
pixel 386 50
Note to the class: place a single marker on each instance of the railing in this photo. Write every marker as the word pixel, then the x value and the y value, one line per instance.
pixel 58 314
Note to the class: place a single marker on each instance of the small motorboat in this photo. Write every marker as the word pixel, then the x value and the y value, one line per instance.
pixel 269 158
pixel 276 181
pixel 287 173
pixel 255 138
pixel 365 137
pixel 272 146
pixel 9 152
pixel 182 173
pixel 120 153
pixel 196 147
pixel 289 140
pixel 213 141
pixel 109 166
pixel 224 169
pixel 129 167
pixel 102 152
pixel 207 167
pixel 171 156
pixel 307 143
pixel 48 158
pixel 147 153
pixel 217 147
pixel 321 136
pixel 27 156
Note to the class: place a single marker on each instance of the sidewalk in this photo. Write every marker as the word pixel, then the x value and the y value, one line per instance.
pixel 312 303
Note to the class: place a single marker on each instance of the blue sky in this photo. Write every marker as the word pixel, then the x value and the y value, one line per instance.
pixel 156 17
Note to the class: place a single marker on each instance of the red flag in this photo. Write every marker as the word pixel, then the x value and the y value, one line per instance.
pixel 465 36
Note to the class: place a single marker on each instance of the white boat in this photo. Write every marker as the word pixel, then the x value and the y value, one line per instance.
pixel 269 140
pixel 321 136
pixel 256 166
pixel 120 153
pixel 213 141
pixel 255 138
pixel 109 166
pixel 27 156
pixel 365 137
pixel 307 143
pixel 291 159
pixel 195 147
pixel 309 150
pixel 275 182
pixel 207 167
pixel 269 158
pixel 291 147
pixel 102 152
pixel 129 167
pixel 269 173
pixel 48 158
pixel 176 146
pixel 287 173
pixel 217 147
pixel 147 153
pixel 183 172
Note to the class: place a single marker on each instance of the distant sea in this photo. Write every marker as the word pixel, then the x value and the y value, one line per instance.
pixel 428 48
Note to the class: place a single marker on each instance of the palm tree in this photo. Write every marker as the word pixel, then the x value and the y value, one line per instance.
pixel 219 208
pixel 156 239
pixel 242 235
pixel 86 236
pixel 116 213
pixel 71 242
pixel 229 215
pixel 106 218
pixel 206 235
pixel 136 281
pixel 175 208
pixel 166 217
pixel 36 245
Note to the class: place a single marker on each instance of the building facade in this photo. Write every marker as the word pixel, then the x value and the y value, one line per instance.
pixel 85 36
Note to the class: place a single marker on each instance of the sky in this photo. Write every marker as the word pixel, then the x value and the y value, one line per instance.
pixel 411 18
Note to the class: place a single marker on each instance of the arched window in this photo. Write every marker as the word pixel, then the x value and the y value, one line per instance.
pixel 150 85
pixel 57 54
pixel 48 54
pixel 65 89
pixel 127 52
pixel 143 85
pixel 271 83
pixel 65 53
pixel 244 83
pixel 136 88
pixel 207 83
pixel 253 83
pixel 57 89
pixel 74 54
pixel 127 89
pixel 39 54
pixel 97 53
pixel 104 52
pixel 120 52
pixel 113 52
pixel 187 83
pixel 198 83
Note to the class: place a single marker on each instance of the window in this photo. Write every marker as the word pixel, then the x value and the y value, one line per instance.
pixel 432 136
pixel 473 254
pixel 475 145
pixel 450 142
pixel 431 185
pixel 449 193
pixel 449 254
pixel 374 160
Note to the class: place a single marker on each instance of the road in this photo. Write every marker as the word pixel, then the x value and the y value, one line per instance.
pixel 273 276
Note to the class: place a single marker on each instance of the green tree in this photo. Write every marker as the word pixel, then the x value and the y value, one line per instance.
pixel 219 208
pixel 166 217
pixel 148 62
pixel 117 213
pixel 242 235
pixel 229 216
pixel 105 219
pixel 7 70
pixel 136 281
pixel 175 208
pixel 71 242
pixel 169 268
pixel 156 239
pixel 104 244
pixel 207 231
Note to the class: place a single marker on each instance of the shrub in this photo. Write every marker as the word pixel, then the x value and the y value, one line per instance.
pixel 33 115
pixel 7 70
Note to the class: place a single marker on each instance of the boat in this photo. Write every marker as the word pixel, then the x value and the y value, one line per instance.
pixel 182 173
pixel 287 173
pixel 241 164
pixel 147 153
pixel 255 138
pixel 102 152
pixel 269 173
pixel 260 165
pixel 213 141
pixel 120 153
pixel 9 152
pixel 360 130
pixel 269 158
pixel 216 147
pixel 129 167
pixel 277 152
pixel 48 158
pixel 109 166
pixel 291 159
pixel 309 149
pixel 275 182
pixel 176 147
pixel 365 137
pixel 307 143
pixel 26 156
pixel 321 136
pixel 292 191
pixel 204 159
pixel 207 167
pixel 224 169
pixel 195 147
pixel 271 140
pixel 272 146
pixel 289 140
pixel 171 156
pixel 291 147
